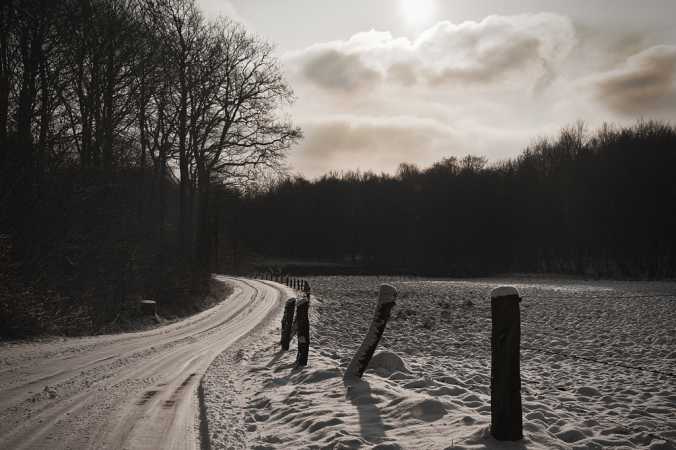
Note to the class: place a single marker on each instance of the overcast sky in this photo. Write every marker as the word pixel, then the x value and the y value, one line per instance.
pixel 388 81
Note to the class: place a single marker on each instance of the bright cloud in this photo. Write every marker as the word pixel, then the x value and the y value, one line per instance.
pixel 471 52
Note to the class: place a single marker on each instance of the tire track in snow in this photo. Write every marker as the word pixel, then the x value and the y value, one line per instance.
pixel 136 390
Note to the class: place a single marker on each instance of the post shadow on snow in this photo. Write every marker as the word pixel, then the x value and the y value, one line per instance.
pixel 294 368
pixel 275 357
pixel 371 425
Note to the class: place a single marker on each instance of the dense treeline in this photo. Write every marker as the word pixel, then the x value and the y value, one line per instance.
pixel 598 204
pixel 124 127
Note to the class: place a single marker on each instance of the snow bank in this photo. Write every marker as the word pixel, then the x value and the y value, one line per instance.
pixel 386 363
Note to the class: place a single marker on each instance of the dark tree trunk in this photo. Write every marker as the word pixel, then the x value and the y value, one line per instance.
pixel 45 118
pixel 185 212
pixel 108 114
pixel 6 24
pixel 143 103
pixel 30 44
pixel 202 239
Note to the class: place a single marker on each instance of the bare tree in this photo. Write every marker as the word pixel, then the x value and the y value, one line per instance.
pixel 242 131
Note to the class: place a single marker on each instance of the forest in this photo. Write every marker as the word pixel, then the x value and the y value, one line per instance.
pixel 594 203
pixel 124 126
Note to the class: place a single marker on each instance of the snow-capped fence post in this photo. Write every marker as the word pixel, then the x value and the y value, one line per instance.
pixel 303 331
pixel 506 412
pixel 386 300
pixel 148 307
pixel 287 323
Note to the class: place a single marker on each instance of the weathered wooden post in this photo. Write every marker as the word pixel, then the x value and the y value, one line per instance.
pixel 506 413
pixel 360 361
pixel 287 323
pixel 306 288
pixel 303 331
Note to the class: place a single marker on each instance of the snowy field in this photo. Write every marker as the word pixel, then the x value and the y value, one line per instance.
pixel 598 370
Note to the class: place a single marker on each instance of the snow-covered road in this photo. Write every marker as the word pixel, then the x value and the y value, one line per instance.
pixel 132 391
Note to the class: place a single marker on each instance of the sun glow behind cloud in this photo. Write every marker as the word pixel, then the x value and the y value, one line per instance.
pixel 417 13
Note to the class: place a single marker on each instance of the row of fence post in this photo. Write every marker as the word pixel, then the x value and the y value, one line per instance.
pixel 506 407
pixel 296 318
pixel 292 282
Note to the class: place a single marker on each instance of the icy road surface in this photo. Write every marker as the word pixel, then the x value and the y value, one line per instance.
pixel 132 391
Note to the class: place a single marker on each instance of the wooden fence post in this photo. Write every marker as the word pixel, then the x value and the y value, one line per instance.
pixel 360 361
pixel 287 323
pixel 506 412
pixel 303 330
pixel 148 307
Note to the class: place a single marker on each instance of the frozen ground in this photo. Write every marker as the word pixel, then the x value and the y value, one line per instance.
pixel 131 390
pixel 598 364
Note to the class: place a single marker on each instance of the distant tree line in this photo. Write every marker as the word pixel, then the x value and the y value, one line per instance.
pixel 600 204
pixel 124 125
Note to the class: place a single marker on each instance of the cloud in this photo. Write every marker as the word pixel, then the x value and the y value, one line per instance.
pixel 361 142
pixel 495 48
pixel 403 73
pixel 646 82
pixel 334 70
pixel 381 143
pixel 528 47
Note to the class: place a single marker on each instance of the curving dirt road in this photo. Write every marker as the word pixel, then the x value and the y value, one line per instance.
pixel 131 391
